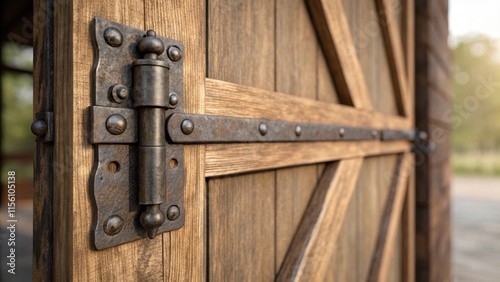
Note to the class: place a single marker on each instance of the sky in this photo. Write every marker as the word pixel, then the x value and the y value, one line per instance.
pixel 474 16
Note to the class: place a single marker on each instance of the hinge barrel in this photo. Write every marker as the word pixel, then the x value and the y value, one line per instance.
pixel 151 97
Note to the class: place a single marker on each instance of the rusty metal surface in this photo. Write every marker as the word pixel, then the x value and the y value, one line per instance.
pixel 114 189
pixel 200 129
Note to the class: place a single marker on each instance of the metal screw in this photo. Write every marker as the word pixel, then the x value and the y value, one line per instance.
pixel 173 213
pixel 173 99
pixel 174 53
pixel 298 130
pixel 113 225
pixel 262 129
pixel 187 126
pixel 39 128
pixel 374 133
pixel 113 37
pixel 116 124
pixel 342 132
pixel 118 93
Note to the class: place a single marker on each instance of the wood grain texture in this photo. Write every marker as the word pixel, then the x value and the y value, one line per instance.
pixel 338 46
pixel 241 227
pixel 43 89
pixel 296 74
pixel 184 250
pixel 230 99
pixel 75 257
pixel 408 35
pixel 225 159
pixel 408 219
pixel 391 219
pixel 320 226
pixel 395 53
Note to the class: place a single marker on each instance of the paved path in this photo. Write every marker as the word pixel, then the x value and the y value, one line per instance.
pixel 476 229
pixel 476 233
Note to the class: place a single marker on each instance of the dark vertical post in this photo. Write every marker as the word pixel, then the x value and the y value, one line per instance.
pixel 432 99
pixel 43 87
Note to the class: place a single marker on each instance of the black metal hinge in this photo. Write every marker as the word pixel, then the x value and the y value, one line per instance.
pixel 139 130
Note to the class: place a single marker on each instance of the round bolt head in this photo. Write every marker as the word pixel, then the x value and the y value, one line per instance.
pixel 173 213
pixel 374 133
pixel 113 225
pixel 39 128
pixel 342 132
pixel 116 124
pixel 174 53
pixel 113 37
pixel 298 130
pixel 173 99
pixel 421 136
pixel 118 93
pixel 187 126
pixel 262 129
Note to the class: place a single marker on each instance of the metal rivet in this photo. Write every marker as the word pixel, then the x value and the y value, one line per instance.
pixel 174 53
pixel 113 225
pixel 342 132
pixel 263 128
pixel 113 37
pixel 187 126
pixel 39 128
pixel 298 130
pixel 173 213
pixel 374 133
pixel 118 93
pixel 173 99
pixel 116 124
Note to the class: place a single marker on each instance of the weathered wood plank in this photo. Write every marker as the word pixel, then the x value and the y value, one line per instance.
pixel 75 257
pixel 184 250
pixel 225 159
pixel 338 46
pixel 318 231
pixel 241 49
pixel 296 73
pixel 241 227
pixel 409 231
pixel 390 219
pixel 394 48
pixel 230 99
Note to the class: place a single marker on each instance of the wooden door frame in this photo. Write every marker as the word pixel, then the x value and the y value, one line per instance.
pixel 56 245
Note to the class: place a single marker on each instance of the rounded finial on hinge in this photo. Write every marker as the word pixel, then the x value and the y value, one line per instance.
pixel 151 219
pixel 150 46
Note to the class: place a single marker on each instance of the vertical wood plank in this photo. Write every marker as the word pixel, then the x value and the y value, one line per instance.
pixel 296 74
pixel 241 227
pixel 241 49
pixel 74 255
pixel 391 216
pixel 408 219
pixel 184 252
pixel 43 89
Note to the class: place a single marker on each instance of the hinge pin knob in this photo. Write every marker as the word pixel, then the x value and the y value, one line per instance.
pixel 151 219
pixel 39 128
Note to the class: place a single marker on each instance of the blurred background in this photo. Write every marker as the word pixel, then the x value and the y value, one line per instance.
pixel 475 119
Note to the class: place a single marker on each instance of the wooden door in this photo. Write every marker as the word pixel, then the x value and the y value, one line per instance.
pixel 308 211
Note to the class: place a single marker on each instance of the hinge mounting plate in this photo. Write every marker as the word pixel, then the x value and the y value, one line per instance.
pixel 114 183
